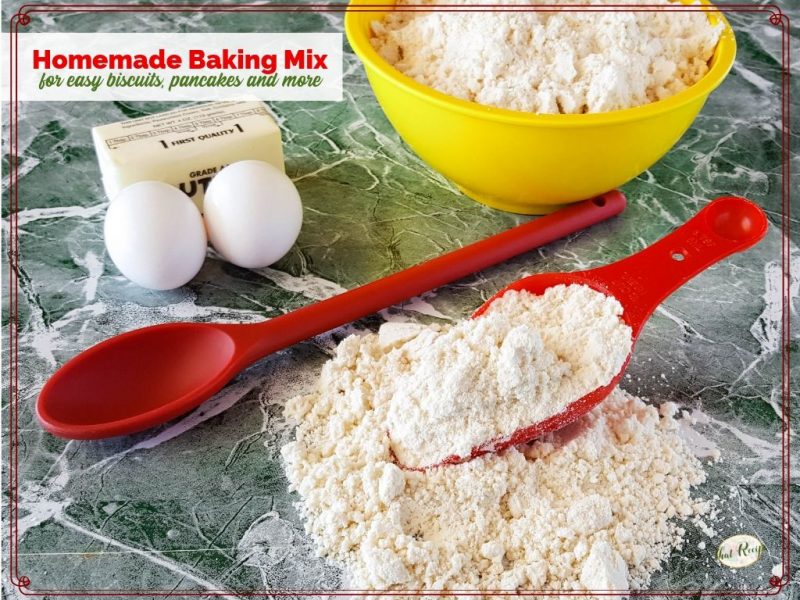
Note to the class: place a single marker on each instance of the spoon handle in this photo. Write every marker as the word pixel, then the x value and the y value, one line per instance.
pixel 256 341
pixel 642 281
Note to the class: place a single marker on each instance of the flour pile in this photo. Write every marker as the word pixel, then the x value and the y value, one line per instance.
pixel 450 389
pixel 589 507
pixel 550 62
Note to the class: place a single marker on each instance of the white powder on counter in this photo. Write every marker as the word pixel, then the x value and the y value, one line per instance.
pixel 550 62
pixel 503 521
pixel 452 388
pixel 592 506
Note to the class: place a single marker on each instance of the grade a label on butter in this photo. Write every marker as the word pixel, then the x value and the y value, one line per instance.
pixel 188 146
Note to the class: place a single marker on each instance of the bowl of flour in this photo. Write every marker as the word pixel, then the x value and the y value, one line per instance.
pixel 528 110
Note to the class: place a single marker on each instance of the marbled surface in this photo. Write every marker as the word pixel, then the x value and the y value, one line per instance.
pixel 202 504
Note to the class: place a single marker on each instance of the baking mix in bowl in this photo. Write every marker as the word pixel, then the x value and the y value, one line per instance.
pixel 549 62
pixel 533 163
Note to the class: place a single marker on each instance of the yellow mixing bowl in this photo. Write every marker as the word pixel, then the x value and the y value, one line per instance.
pixel 523 162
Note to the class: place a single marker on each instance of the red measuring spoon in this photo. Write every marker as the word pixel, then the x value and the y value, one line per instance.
pixel 640 283
pixel 147 376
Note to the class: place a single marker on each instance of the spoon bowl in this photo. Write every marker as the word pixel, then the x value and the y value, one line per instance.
pixel 149 375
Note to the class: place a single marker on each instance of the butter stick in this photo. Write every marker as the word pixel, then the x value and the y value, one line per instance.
pixel 186 147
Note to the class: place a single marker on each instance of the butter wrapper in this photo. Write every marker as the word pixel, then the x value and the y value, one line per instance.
pixel 186 147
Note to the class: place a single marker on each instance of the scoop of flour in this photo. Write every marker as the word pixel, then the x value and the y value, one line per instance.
pixel 526 358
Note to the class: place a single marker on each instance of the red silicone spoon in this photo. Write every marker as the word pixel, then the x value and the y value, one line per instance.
pixel 640 283
pixel 145 377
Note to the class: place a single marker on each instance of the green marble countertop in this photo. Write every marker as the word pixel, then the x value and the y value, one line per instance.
pixel 201 504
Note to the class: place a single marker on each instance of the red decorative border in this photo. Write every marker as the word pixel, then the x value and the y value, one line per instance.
pixel 23 18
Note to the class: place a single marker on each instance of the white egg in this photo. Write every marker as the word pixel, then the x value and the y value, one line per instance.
pixel 253 213
pixel 155 235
